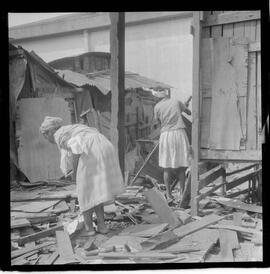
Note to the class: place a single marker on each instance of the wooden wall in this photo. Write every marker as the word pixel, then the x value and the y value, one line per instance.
pixel 236 24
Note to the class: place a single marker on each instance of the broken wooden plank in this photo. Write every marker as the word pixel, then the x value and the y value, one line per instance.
pixel 160 205
pixel 90 245
pixel 197 225
pixel 226 253
pixel 17 253
pixel 39 235
pixel 16 223
pixel 235 228
pixel 235 194
pixel 161 241
pixel 241 169
pixel 231 17
pixel 242 179
pixel 144 230
pixel 52 258
pixel 34 207
pixel 237 218
pixel 142 255
pixel 210 176
pixel 238 204
pixel 64 246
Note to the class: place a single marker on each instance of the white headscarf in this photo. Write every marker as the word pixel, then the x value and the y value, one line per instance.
pixel 50 123
pixel 160 94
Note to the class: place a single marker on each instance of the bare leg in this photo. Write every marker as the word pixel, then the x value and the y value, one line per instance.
pixel 182 178
pixel 167 180
pixel 100 219
pixel 186 195
pixel 88 220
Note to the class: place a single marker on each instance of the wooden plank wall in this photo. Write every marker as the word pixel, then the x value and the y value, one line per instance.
pixel 250 105
pixel 39 159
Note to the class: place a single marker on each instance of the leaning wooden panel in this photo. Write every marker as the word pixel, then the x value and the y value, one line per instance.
pixel 259 102
pixel 252 111
pixel 227 130
pixel 39 159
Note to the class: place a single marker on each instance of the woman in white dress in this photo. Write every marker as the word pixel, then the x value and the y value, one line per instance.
pixel 95 165
pixel 174 147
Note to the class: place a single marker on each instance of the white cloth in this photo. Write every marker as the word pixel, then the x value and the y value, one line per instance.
pixel 173 149
pixel 99 178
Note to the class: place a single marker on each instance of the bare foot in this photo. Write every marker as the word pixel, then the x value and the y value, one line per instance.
pixel 102 229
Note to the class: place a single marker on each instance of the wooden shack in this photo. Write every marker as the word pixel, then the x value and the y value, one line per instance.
pixel 226 89
pixel 35 91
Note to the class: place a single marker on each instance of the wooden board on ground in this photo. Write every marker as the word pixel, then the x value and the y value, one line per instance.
pixel 34 207
pixel 133 242
pixel 238 204
pixel 40 234
pixel 160 241
pixel 202 240
pixel 64 246
pixel 17 223
pixel 144 230
pixel 228 241
pixel 197 225
pixel 160 205
pixel 17 253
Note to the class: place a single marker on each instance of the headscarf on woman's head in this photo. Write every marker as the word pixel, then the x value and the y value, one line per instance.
pixel 50 123
pixel 160 94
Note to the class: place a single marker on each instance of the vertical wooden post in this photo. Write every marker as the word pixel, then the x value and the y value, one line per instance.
pixel 195 113
pixel 117 49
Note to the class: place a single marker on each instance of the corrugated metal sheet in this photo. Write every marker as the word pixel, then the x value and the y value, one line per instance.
pixel 101 80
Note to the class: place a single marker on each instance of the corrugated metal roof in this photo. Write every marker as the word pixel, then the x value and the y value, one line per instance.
pixel 101 80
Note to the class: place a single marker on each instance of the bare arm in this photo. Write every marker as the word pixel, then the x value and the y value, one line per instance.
pixel 76 158
pixel 184 108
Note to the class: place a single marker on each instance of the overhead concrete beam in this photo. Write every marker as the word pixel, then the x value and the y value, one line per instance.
pixel 86 21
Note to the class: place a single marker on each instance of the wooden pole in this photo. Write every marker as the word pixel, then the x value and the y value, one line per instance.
pixel 117 49
pixel 195 113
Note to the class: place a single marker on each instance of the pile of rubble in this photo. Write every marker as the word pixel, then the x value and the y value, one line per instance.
pixel 47 228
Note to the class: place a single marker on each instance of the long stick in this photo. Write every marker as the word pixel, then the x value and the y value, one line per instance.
pixel 145 162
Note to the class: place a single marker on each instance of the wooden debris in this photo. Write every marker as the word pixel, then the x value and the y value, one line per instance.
pixel 89 245
pixel 238 204
pixel 120 241
pixel 39 235
pixel 16 223
pixel 144 230
pixel 64 246
pixel 202 240
pixel 17 253
pixel 197 225
pixel 34 207
pixel 161 241
pixel 160 205
pixel 141 255
pixel 228 241
pixel 183 216
pixel 235 228
pixel 52 258
pixel 237 218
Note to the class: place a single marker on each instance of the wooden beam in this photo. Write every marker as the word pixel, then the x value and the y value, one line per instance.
pixel 241 169
pixel 232 17
pixel 64 246
pixel 117 49
pixel 243 156
pixel 197 225
pixel 242 179
pixel 211 176
pixel 17 253
pixel 195 112
pixel 39 235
